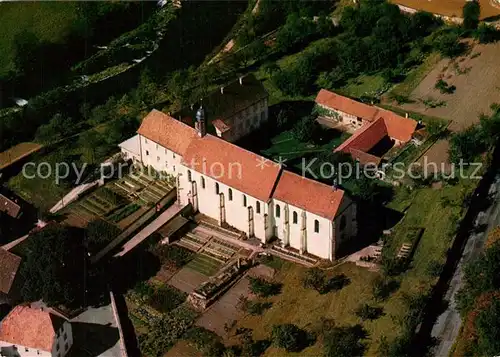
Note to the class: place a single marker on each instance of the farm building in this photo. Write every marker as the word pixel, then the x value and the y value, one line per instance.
pixel 375 129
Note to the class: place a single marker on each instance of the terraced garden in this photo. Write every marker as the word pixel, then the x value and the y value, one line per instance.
pixel 213 252
pixel 118 202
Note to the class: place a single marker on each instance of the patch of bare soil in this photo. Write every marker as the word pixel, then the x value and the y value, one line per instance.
pixel 476 77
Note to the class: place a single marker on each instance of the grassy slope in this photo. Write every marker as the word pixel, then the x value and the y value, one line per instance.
pixel 415 76
pixel 304 307
pixel 49 21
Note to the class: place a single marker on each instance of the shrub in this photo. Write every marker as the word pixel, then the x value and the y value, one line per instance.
pixel 166 298
pixel 289 337
pixel 344 342
pixel 434 268
pixel 100 232
pixel 367 312
pixel 173 255
pixel 264 288
pixel 393 266
pixel 317 280
pixel 444 87
pixel 304 129
pixel 383 288
pixel 205 341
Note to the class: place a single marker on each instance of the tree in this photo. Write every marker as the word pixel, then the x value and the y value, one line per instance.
pixel 486 33
pixel 100 232
pixel 471 12
pixel 289 337
pixel 264 288
pixel 54 268
pixel 27 50
pixel 488 330
pixel 466 145
pixel 304 129
pixel 367 312
pixel 93 146
pixel 344 342
pixel 58 127
pixel 485 267
pixel 449 45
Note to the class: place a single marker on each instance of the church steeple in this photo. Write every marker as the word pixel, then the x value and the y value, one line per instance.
pixel 200 122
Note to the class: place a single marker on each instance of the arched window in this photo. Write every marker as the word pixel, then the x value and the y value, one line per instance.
pixel 295 217
pixel 202 182
pixel 257 206
pixel 189 176
pixel 230 194
pixel 216 188
pixel 278 211
pixel 342 223
pixel 244 201
pixel 316 226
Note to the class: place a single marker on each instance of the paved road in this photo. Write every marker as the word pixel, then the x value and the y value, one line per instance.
pixel 448 324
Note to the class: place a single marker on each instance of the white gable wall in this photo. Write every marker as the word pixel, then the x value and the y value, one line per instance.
pixel 319 244
pixel 159 157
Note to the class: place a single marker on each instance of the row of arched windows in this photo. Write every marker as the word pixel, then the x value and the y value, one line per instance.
pixel 295 218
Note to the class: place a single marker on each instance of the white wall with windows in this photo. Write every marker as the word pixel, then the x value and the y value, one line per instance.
pixel 159 157
pixel 237 209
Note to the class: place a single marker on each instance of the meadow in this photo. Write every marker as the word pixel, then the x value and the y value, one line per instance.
pixel 51 22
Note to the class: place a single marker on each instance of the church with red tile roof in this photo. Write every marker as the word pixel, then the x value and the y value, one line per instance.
pixel 243 190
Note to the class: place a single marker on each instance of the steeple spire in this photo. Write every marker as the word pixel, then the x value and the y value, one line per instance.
pixel 200 122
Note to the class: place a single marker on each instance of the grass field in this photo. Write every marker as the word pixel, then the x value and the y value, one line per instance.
pixel 364 85
pixel 285 146
pixel 305 307
pixel 49 21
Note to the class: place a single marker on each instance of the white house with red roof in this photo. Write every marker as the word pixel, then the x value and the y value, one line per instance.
pixel 29 332
pixel 246 191
pixel 370 125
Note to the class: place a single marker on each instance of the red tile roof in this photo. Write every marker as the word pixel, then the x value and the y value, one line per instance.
pixel 397 127
pixel 31 328
pixel 310 195
pixel 364 158
pixel 233 166
pixel 346 105
pixel 9 265
pixel 365 137
pixel 220 125
pixel 9 206
pixel 167 131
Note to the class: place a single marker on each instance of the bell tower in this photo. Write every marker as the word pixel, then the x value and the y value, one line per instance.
pixel 200 125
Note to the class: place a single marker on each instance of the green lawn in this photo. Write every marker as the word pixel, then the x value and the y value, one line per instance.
pixel 364 85
pixel 305 307
pixel 49 21
pixel 284 145
pixel 204 264
pixel 415 76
